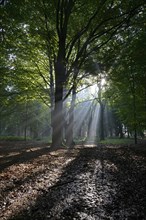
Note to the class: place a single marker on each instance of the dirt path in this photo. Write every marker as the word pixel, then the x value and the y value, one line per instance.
pixel 104 182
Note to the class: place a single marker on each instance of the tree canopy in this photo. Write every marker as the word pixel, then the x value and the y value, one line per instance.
pixel 50 47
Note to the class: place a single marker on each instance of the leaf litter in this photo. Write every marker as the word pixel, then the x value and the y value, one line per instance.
pixel 103 182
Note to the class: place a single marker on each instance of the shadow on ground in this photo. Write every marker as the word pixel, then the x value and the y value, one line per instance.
pixel 100 183
pixel 18 152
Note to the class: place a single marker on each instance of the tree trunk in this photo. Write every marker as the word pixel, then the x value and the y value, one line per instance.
pixel 135 135
pixel 121 135
pixel 133 89
pixel 89 126
pixel 26 119
pixel 57 114
pixel 52 92
pixel 101 121
pixel 63 12
pixel 70 125
pixel 57 120
pixel 90 129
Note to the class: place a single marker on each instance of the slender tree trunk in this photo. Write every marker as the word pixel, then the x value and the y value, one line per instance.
pixel 89 125
pixel 133 89
pixel 70 126
pixel 101 113
pixel 101 121
pixel 26 119
pixel 135 118
pixel 90 131
pixel 135 135
pixel 121 131
pixel 52 91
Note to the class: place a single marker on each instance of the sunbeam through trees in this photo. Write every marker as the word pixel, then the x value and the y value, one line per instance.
pixel 72 79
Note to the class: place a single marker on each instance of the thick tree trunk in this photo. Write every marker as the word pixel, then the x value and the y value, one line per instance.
pixel 57 120
pixel 63 12
pixel 57 114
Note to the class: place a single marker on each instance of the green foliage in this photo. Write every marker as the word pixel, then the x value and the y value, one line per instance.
pixel 32 118
pixel 37 34
pixel 127 74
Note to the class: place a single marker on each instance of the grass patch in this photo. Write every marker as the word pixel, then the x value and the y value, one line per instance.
pixel 13 138
pixel 118 141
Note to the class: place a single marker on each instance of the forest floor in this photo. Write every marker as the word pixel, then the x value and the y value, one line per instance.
pixel 91 182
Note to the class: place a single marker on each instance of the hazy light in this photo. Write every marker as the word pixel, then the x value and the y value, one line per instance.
pixel 94 90
pixel 93 125
pixel 81 116
pixel 103 81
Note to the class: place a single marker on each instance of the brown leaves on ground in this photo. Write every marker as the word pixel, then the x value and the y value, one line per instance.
pixel 103 182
